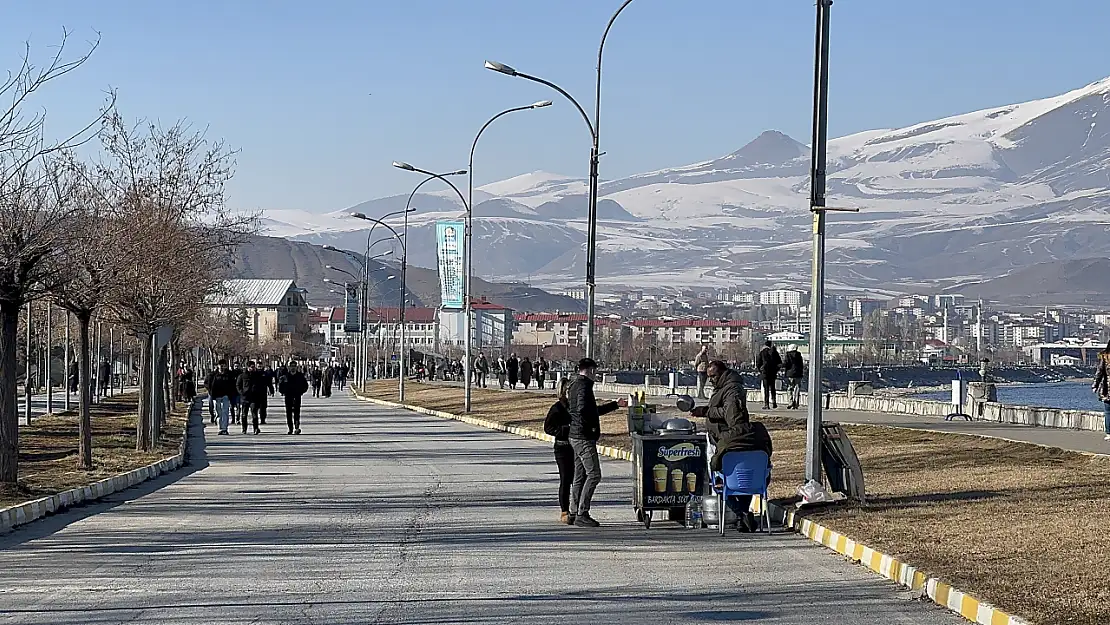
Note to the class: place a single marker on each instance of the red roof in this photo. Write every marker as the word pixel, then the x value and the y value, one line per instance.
pixel 484 305
pixel 690 323
pixel 337 314
pixel 412 315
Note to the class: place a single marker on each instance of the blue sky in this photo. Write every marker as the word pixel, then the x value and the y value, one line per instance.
pixel 288 83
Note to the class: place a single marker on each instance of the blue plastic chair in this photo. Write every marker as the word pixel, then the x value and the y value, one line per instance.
pixel 743 473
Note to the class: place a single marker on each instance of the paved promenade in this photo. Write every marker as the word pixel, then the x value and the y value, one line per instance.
pixel 381 516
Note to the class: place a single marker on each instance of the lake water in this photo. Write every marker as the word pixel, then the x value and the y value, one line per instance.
pixel 1066 395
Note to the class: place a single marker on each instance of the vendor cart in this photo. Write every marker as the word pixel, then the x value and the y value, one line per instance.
pixel 669 470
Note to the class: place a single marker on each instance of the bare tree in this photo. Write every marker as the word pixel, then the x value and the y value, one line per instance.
pixel 168 185
pixel 32 219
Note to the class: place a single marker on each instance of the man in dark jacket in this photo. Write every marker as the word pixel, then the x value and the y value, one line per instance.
pixel 253 389
pixel 730 428
pixel 513 368
pixel 795 368
pixel 585 430
pixel 220 385
pixel 292 386
pixel 768 364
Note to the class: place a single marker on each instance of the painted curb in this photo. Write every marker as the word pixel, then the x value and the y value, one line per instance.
pixel 891 568
pixel 21 514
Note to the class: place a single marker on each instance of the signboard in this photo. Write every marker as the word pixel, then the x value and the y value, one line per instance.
pixel 352 317
pixel 452 272
pixel 672 470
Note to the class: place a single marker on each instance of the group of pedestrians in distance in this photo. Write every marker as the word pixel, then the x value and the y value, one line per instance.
pixel 324 376
pixel 234 394
pixel 513 371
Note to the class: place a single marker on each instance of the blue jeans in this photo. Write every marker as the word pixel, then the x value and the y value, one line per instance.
pixel 1106 417
pixel 221 404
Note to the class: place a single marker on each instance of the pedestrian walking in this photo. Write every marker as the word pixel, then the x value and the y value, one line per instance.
pixel 271 379
pixel 795 368
pixel 104 376
pixel 1102 387
pixel 220 385
pixel 253 390
pixel 513 366
pixel 329 377
pixel 585 430
pixel 317 380
pixel 526 372
pixel 557 425
pixel 481 367
pixel 541 372
pixel 502 372
pixel 73 377
pixel 293 385
pixel 701 365
pixel 768 363
pixel 236 409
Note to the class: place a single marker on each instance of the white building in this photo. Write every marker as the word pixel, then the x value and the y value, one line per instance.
pixel 783 297
pixel 492 329
pixel 862 307
pixel 549 328
pixel 266 310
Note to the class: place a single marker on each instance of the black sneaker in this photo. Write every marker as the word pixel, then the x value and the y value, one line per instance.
pixel 297 431
pixel 571 517
pixel 289 432
pixel 223 433
pixel 256 431
pixel 747 524
pixel 585 520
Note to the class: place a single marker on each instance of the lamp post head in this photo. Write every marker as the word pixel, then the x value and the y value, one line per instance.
pixel 541 104
pixel 461 172
pixel 403 165
pixel 358 216
pixel 500 68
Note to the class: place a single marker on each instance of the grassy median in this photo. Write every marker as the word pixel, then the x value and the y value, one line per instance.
pixel 1020 526
pixel 48 449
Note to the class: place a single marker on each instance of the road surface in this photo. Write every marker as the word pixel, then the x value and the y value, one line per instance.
pixel 382 516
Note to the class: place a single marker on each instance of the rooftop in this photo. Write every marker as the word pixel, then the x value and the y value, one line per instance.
pixel 253 293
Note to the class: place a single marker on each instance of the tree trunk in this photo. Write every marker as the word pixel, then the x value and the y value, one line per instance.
pixel 146 408
pixel 160 414
pixel 84 421
pixel 9 413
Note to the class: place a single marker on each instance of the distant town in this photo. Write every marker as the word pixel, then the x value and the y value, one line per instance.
pixel 640 329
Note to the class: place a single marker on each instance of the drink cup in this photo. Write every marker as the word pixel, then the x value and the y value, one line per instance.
pixel 660 474
pixel 677 480
pixel 692 483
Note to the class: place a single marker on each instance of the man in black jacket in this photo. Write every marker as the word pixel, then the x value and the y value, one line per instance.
pixel 253 388
pixel 585 430
pixel 768 363
pixel 220 385
pixel 292 385
pixel 795 368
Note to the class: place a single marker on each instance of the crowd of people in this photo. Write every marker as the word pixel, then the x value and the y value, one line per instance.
pixel 237 392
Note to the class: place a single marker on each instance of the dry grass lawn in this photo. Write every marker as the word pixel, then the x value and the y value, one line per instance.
pixel 1020 526
pixel 48 449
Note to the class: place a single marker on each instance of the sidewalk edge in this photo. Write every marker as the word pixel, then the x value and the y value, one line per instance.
pixel 28 511
pixel 940 592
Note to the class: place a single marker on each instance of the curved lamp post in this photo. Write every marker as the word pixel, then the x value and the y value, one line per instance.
pixel 595 155
pixel 430 177
pixel 404 257
pixel 468 252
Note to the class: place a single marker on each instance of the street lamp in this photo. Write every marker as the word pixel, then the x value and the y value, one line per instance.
pixel 469 239
pixel 430 176
pixel 401 316
pixel 591 225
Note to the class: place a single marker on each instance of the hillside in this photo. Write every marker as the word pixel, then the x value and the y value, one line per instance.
pixel 263 257
pixel 1073 282
pixel 969 198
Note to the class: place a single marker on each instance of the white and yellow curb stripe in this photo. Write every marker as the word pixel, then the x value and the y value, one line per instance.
pixel 891 568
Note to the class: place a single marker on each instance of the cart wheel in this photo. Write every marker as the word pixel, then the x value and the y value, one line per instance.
pixel 647 519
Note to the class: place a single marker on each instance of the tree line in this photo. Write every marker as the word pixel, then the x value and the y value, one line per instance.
pixel 122 221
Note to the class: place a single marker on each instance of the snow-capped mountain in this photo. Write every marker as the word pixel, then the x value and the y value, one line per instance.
pixel 964 198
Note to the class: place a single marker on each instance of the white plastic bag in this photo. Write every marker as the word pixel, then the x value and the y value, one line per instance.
pixel 813 492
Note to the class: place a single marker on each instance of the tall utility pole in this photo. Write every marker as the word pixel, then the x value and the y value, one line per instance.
pixel 817 208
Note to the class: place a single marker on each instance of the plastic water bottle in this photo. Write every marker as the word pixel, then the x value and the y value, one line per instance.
pixel 693 514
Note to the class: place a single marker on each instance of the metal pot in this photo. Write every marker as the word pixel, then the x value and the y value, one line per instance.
pixel 677 425
pixel 685 403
